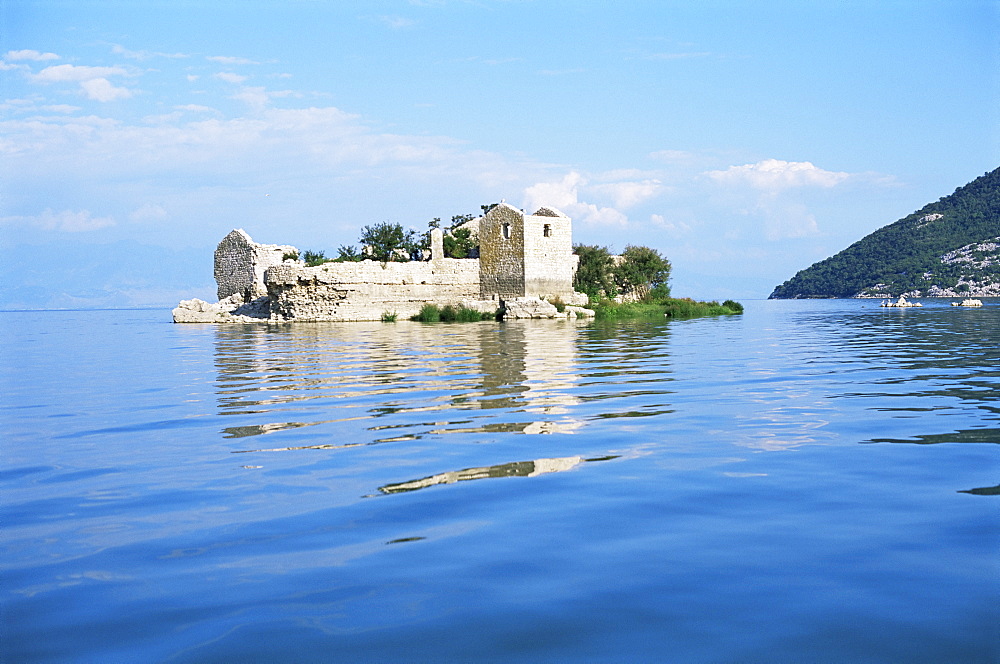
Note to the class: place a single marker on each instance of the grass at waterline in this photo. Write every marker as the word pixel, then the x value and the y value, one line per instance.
pixel 664 308
pixel 431 313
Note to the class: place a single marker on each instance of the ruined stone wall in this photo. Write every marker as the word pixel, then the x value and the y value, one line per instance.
pixel 240 264
pixel 501 253
pixel 367 289
pixel 549 262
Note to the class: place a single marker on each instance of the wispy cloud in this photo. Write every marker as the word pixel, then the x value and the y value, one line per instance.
pixel 28 54
pixel 148 213
pixel 776 175
pixel 231 60
pixel 118 49
pixel 396 22
pixel 229 77
pixel 66 221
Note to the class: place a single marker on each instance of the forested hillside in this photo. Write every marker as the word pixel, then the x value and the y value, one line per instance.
pixel 950 247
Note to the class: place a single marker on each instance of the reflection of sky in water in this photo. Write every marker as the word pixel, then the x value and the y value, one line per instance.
pixel 369 383
pixel 809 478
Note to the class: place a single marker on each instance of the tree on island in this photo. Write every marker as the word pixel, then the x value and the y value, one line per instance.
pixel 640 273
pixel 595 272
pixel 387 242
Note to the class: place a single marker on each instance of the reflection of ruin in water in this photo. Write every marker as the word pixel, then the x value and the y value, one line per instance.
pixel 513 469
pixel 515 367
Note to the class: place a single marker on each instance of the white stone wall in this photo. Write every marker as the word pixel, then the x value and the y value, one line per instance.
pixel 549 262
pixel 366 290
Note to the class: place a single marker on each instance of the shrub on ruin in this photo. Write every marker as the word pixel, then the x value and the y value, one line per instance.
pixel 314 258
pixel 460 243
pixel 348 254
pixel 387 242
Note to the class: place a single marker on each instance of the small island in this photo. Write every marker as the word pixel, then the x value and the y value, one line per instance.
pixel 505 264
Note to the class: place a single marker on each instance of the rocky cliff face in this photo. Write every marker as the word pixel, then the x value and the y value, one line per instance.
pixel 969 271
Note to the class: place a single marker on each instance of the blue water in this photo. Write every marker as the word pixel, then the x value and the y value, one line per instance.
pixel 813 481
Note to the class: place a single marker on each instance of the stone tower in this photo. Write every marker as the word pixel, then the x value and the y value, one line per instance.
pixel 525 255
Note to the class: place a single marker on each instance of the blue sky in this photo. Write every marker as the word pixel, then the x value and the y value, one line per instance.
pixel 745 141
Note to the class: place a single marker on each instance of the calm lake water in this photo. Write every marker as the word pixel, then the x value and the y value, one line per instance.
pixel 814 481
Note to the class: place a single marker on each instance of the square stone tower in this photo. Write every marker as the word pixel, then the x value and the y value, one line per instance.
pixel 525 255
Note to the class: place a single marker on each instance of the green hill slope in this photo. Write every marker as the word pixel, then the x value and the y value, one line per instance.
pixel 947 248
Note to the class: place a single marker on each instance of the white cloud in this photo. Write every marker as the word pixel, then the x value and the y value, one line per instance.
pixel 61 108
pixel 30 55
pixel 101 89
pixel 230 60
pixel 196 108
pixel 629 194
pixel 229 77
pixel 93 80
pixel 776 175
pixel 75 73
pixel 673 228
pixel 66 221
pixel 148 213
pixel 144 55
pixel 564 195
pixel 671 156
pixel 254 97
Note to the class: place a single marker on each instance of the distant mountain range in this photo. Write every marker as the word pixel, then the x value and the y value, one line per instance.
pixel 950 248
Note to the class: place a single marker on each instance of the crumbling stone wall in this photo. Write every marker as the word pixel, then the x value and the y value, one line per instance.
pixel 366 290
pixel 240 264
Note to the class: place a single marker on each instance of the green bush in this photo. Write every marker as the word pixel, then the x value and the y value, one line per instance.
pixel 389 316
pixel 290 256
pixel 664 308
pixel 431 313
pixel 314 258
pixel 348 254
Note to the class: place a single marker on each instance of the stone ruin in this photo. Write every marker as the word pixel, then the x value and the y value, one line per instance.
pixel 525 263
